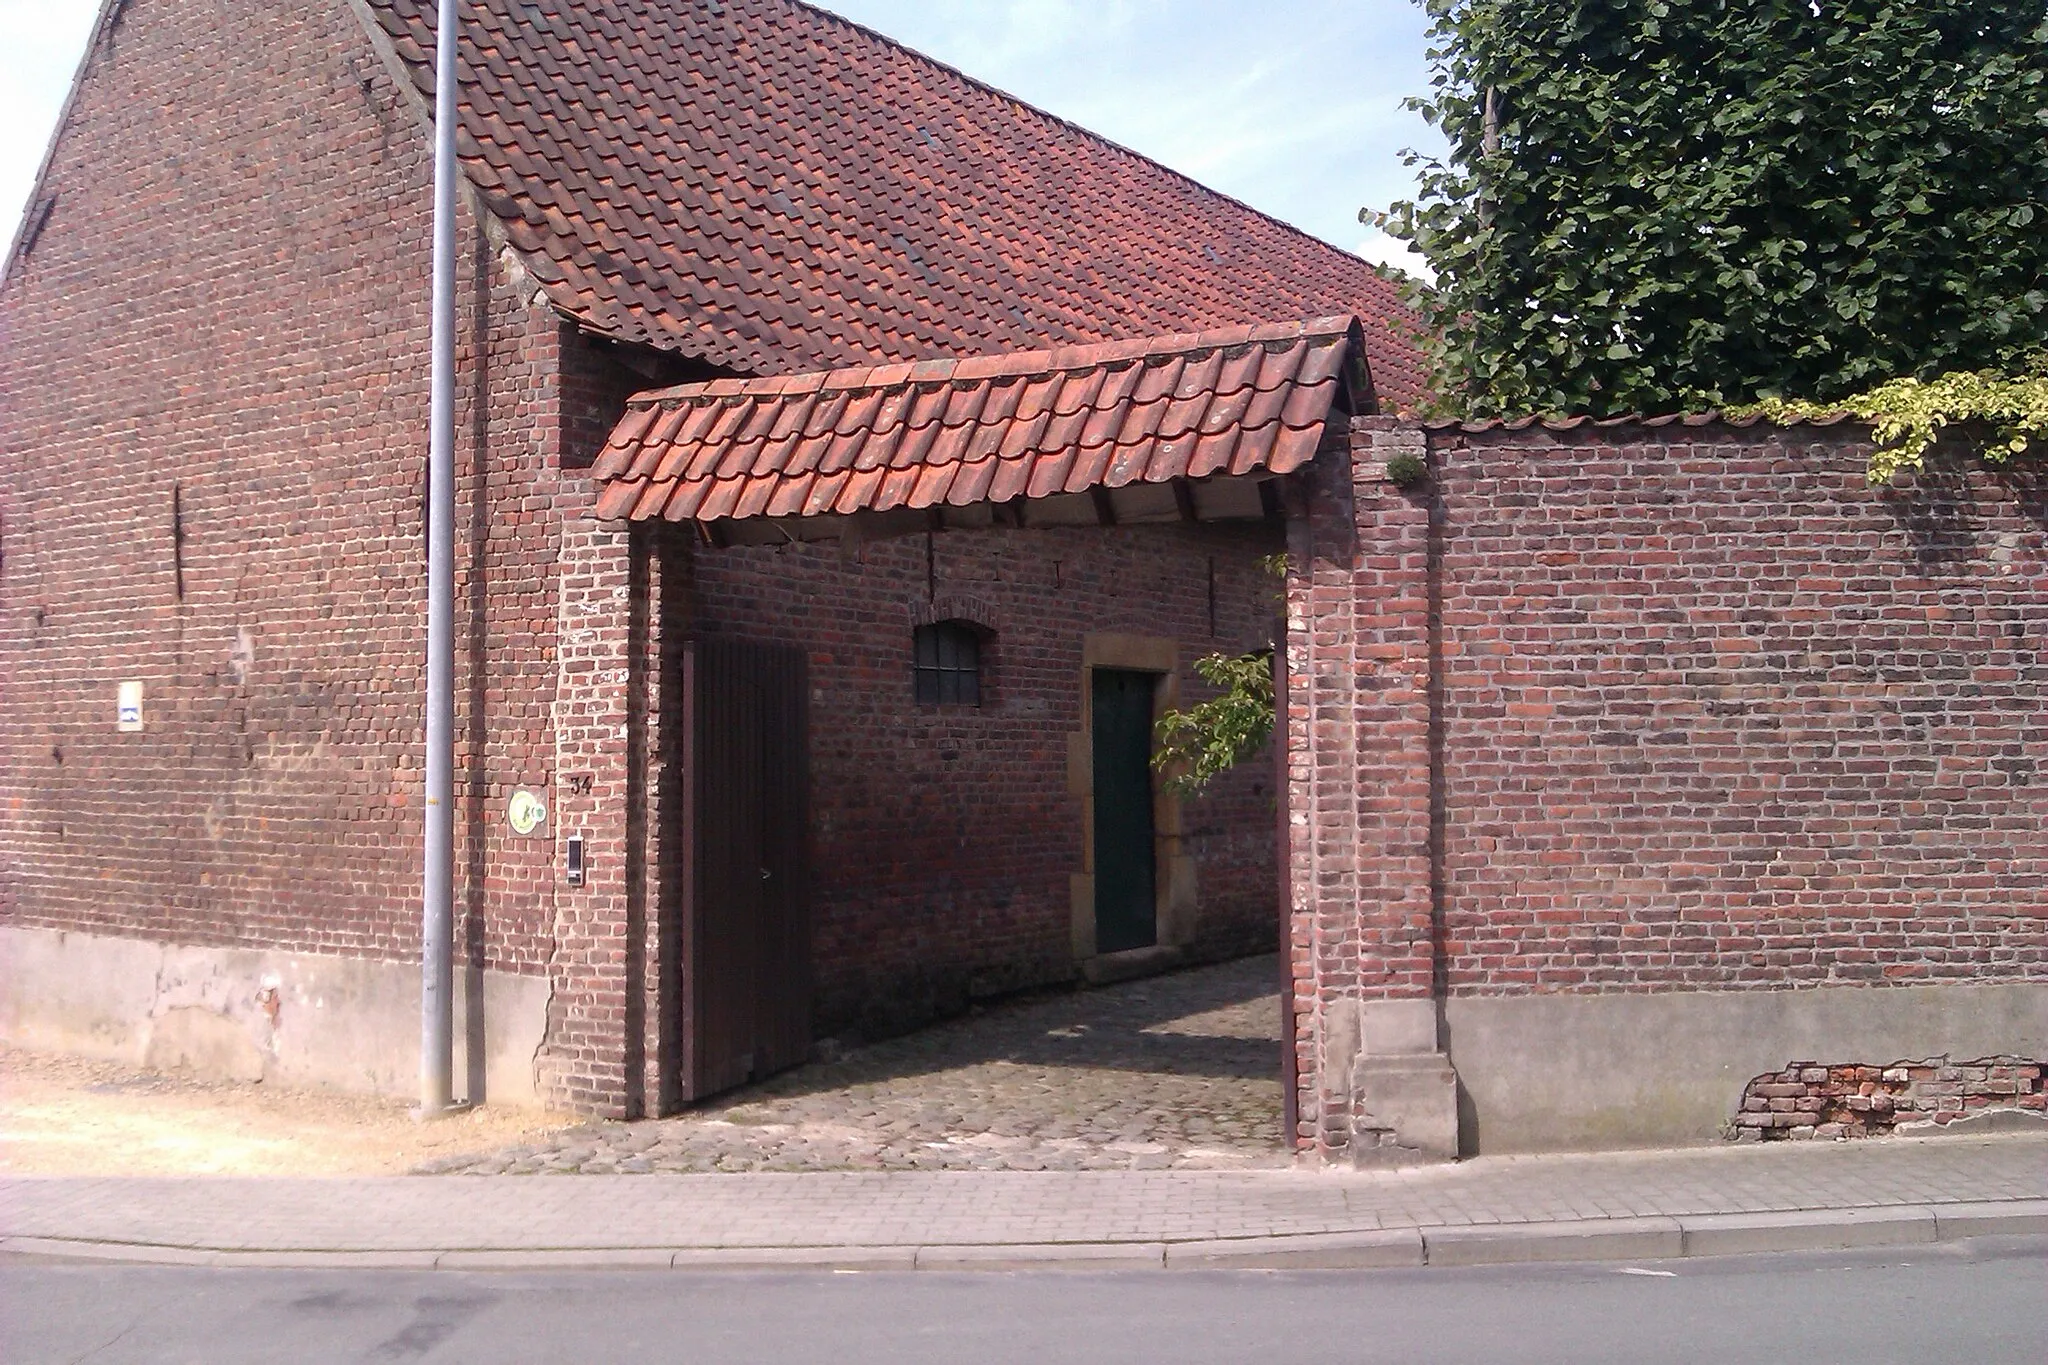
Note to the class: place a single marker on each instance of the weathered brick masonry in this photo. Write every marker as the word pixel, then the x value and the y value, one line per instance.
pixel 1673 708
pixel 1718 714
pixel 1593 715
pixel 1811 1100
pixel 214 477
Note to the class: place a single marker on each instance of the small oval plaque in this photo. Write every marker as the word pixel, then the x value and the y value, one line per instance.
pixel 526 812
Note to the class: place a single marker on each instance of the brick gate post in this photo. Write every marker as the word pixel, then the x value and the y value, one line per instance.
pixel 596 1056
pixel 1373 1081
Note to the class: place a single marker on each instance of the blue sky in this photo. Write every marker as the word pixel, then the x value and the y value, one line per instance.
pixel 1293 106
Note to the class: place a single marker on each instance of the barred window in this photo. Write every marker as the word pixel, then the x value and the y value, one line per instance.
pixel 947 664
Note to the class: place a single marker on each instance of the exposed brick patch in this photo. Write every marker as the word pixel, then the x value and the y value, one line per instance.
pixel 1812 1100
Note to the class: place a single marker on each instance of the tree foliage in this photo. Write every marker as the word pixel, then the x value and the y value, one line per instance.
pixel 1660 204
pixel 1201 741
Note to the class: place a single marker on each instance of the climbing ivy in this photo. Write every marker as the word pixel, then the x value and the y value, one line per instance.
pixel 1908 416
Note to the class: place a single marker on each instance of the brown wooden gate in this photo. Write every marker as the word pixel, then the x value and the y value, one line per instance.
pixel 746 949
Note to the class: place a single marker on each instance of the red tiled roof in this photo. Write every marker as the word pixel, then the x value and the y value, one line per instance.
pixel 774 189
pixel 1035 424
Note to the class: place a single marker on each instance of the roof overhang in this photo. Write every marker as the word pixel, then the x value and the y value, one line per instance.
pixel 1179 428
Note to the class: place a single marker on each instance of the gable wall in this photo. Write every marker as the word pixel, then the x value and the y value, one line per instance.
pixel 228 307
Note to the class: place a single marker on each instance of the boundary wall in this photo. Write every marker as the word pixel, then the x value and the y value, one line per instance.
pixel 1630 761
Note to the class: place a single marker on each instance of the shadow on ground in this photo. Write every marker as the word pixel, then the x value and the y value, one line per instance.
pixel 1181 1070
pixel 1221 1021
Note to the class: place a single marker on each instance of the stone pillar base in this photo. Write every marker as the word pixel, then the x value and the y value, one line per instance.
pixel 1407 1109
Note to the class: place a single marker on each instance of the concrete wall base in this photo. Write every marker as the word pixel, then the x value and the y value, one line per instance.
pixel 298 1019
pixel 1410 1110
pixel 1583 1072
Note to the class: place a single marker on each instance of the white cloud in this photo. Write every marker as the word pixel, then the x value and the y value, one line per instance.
pixel 1378 247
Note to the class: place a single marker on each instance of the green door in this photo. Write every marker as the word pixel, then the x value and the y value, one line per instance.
pixel 1124 900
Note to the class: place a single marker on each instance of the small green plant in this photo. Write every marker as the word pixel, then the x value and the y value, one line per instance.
pixel 1201 741
pixel 1406 470
pixel 1907 416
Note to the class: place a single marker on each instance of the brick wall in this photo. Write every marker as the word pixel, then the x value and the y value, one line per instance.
pixel 213 427
pixel 946 836
pixel 1698 710
pixel 1719 715
pixel 1358 656
pixel 1813 1100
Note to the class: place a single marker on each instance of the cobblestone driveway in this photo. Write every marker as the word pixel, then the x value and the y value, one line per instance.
pixel 1173 1071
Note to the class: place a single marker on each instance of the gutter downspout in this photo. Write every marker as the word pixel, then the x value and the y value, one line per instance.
pixel 437 927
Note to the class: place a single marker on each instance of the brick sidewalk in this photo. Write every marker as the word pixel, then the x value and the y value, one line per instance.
pixel 421 1220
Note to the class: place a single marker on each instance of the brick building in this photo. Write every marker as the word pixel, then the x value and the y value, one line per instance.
pixel 1623 763
pixel 215 323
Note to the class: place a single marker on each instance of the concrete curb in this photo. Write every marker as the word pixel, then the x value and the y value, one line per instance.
pixel 1310 1251
pixel 1735 1234
pixel 1608 1239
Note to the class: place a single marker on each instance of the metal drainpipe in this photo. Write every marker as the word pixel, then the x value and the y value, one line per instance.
pixel 437 929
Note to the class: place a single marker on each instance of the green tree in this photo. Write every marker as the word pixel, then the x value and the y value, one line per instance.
pixel 1659 204
pixel 1205 739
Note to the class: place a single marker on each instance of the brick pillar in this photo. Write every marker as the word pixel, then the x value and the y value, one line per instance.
pixel 594 1059
pixel 1372 1079
pixel 668 619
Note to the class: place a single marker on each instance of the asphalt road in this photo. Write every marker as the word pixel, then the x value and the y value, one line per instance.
pixel 1980 1302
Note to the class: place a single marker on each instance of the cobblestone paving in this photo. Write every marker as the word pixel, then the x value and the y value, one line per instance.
pixel 1172 1072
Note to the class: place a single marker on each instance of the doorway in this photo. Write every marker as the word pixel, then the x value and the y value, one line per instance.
pixel 746 943
pixel 1126 857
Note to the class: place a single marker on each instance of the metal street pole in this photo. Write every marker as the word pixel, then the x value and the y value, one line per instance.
pixel 437 928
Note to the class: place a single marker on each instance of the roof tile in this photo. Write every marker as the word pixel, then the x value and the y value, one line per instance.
pixel 689 496
pixel 964 402
pixel 1293 447
pixel 971 483
pixel 932 482
pixel 1127 463
pixel 618 498
pixel 914 446
pixel 824 490
pixel 678 203
pixel 1157 379
pixel 1012 478
pixel 1140 412
pixel 896 487
pixel 1200 375
pixel 1049 471
pixel 653 500
pixel 1212 452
